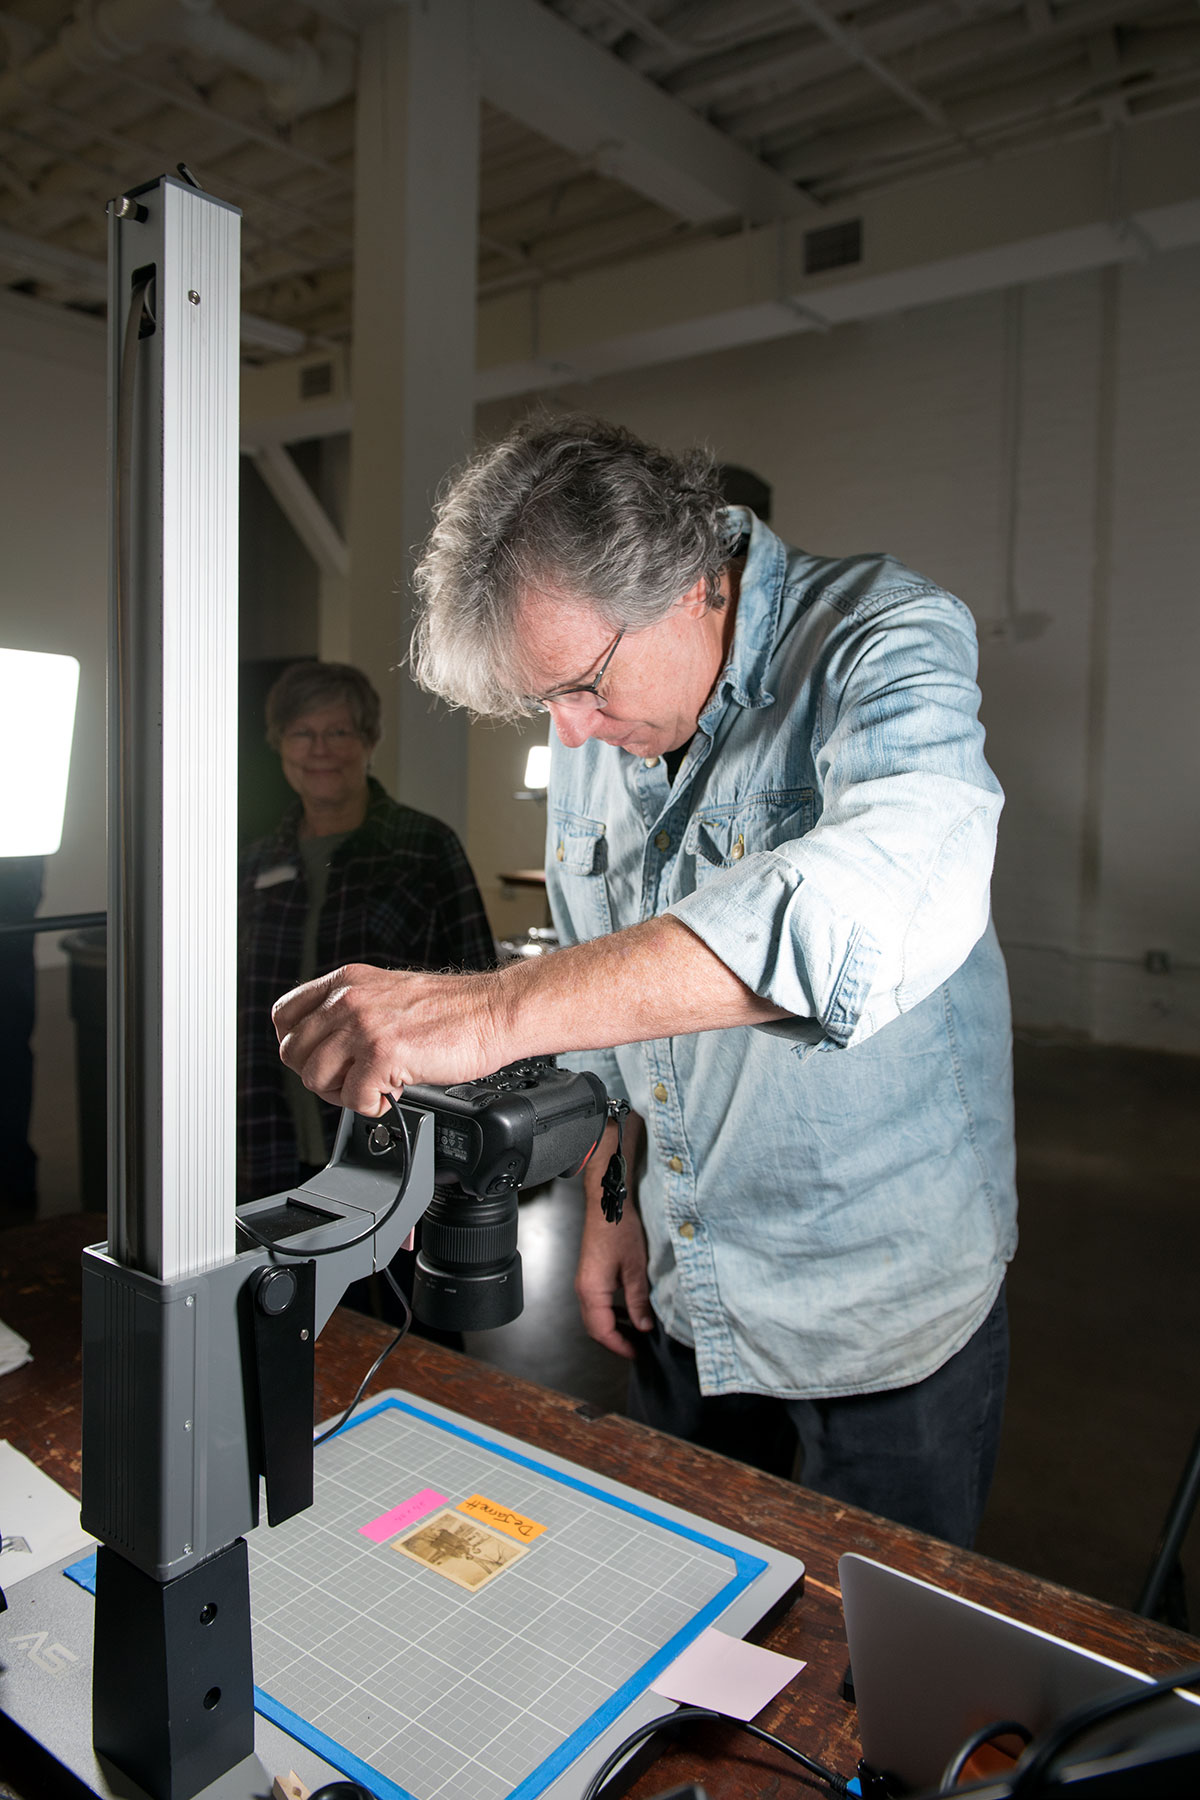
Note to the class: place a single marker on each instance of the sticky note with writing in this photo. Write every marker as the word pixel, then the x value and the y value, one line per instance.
pixel 503 1518
pixel 389 1523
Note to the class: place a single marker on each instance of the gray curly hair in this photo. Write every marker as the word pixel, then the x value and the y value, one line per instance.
pixel 573 507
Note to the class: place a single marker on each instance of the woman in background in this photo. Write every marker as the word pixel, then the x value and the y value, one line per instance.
pixel 349 875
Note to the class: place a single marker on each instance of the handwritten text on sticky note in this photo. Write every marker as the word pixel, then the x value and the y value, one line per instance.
pixel 503 1518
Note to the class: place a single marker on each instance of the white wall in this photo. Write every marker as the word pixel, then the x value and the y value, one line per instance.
pixel 54 572
pixel 1037 451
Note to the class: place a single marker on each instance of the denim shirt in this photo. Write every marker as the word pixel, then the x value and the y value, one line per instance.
pixel 828 1199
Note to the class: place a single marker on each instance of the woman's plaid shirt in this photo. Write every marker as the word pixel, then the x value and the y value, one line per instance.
pixel 401 895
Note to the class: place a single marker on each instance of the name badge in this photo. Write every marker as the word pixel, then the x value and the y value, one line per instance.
pixel 272 877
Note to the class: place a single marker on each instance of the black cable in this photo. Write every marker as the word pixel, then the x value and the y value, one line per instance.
pixel 379 1360
pixel 826 1778
pixel 976 1741
pixel 274 1249
pixel 1030 1774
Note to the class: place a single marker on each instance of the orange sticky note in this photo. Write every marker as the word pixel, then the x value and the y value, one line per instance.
pixel 502 1518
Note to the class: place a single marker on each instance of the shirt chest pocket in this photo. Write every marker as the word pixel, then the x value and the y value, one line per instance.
pixel 718 837
pixel 579 848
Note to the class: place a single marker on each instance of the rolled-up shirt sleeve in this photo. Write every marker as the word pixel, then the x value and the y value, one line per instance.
pixel 883 899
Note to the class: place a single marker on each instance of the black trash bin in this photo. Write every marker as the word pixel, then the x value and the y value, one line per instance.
pixel 88 999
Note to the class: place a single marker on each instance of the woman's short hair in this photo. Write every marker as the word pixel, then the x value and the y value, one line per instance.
pixel 305 686
pixel 570 507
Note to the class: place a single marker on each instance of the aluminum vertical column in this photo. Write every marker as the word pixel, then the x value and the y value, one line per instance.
pixel 173 729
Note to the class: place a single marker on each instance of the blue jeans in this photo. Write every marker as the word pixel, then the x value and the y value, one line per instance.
pixel 922 1455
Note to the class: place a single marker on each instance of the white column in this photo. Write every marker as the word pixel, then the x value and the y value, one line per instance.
pixel 416 204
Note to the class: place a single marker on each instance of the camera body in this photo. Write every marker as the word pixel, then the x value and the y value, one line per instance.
pixel 523 1125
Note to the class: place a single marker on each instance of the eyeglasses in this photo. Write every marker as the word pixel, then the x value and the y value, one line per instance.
pixel 583 693
pixel 305 738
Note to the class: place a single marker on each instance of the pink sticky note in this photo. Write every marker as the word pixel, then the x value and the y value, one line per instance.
pixel 389 1523
pixel 727 1674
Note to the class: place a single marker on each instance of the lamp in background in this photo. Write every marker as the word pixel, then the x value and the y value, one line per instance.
pixel 37 722
pixel 537 773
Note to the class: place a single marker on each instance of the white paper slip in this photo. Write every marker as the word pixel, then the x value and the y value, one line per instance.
pixel 35 1513
pixel 726 1674
pixel 14 1351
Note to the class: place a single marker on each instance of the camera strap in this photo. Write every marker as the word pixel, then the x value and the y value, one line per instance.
pixel 612 1185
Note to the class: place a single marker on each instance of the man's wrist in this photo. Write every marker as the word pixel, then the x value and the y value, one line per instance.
pixel 498 1011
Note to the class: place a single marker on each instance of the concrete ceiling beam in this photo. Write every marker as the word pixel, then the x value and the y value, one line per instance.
pixel 540 70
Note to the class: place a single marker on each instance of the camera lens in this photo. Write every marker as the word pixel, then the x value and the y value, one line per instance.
pixel 468 1273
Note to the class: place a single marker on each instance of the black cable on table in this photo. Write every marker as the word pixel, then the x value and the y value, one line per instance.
pixel 817 1775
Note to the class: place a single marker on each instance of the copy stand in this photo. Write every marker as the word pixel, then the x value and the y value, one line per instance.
pixel 198 1358
pixel 165 1483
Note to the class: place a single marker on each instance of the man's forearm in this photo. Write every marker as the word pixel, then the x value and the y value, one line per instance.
pixel 653 980
pixel 358 1034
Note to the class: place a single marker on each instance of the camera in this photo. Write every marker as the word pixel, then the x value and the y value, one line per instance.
pixel 525 1124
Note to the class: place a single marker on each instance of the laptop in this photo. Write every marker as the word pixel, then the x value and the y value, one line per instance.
pixel 931 1668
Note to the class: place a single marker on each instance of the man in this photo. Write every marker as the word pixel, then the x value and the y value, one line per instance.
pixel 771 832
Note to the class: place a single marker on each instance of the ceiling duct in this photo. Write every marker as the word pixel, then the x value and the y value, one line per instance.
pixel 833 246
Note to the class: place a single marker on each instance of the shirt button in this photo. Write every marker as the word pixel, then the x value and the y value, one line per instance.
pixel 660 1091
pixel 687 1230
pixel 739 848
pixel 663 840
pixel 676 1165
pixel 560 853
pixel 650 762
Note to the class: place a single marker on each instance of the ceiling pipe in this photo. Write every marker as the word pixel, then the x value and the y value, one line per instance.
pixel 297 78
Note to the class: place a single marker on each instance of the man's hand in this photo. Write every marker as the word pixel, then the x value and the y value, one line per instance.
pixel 360 1033
pixel 612 1256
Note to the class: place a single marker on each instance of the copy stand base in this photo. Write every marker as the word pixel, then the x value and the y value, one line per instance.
pixel 172 1682
pixel 46 1748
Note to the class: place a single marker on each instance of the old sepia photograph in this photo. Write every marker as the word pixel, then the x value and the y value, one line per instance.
pixel 460 1549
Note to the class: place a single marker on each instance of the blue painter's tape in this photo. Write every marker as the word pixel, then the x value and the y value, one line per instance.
pixel 747 1569
pixel 333 1752
pixel 84 1571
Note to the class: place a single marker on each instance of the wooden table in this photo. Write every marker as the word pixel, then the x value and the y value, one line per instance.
pixel 39 1414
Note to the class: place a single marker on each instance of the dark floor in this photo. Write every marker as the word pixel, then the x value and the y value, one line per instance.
pixel 1104 1398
